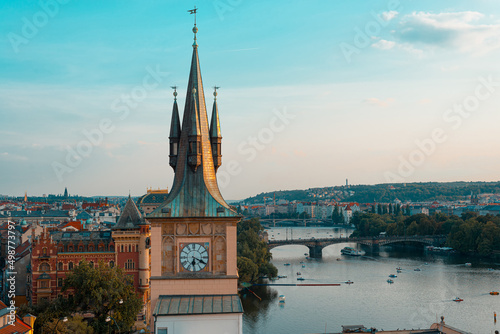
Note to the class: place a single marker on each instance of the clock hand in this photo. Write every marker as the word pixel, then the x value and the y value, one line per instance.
pixel 201 261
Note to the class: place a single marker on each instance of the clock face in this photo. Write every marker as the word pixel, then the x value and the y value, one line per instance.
pixel 194 257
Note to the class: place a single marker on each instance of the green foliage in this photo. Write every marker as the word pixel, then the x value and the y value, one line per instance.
pixel 47 313
pixel 384 193
pixel 251 248
pixel 470 233
pixel 337 216
pixel 75 325
pixel 247 270
pixel 99 290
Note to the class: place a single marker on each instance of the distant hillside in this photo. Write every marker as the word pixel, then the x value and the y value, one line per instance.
pixel 383 193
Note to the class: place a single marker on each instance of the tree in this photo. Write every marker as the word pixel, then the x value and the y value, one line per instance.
pixel 75 325
pixel 103 291
pixel 47 314
pixel 337 216
pixel 253 248
pixel 247 270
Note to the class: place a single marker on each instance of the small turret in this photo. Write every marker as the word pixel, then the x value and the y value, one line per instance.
pixel 215 136
pixel 175 132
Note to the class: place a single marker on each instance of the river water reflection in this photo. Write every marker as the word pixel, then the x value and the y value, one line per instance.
pixel 415 299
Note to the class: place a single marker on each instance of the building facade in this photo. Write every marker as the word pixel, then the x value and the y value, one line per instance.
pixel 56 253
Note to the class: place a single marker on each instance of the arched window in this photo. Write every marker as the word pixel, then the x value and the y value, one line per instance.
pixel 111 264
pixel 45 267
pixel 60 266
pixel 44 251
pixel 111 248
pixel 129 248
pixel 91 248
pixel 60 249
pixel 101 248
pixel 122 248
pixel 70 248
pixel 70 266
pixel 80 248
pixel 129 264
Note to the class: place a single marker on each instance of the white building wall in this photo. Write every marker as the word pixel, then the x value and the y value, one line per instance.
pixel 206 324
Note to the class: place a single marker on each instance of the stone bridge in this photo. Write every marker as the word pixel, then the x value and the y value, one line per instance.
pixel 299 222
pixel 316 245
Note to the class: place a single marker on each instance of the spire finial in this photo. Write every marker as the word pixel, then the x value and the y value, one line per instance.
pixel 175 92
pixel 215 92
pixel 195 29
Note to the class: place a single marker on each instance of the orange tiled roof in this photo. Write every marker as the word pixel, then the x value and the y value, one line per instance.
pixel 19 326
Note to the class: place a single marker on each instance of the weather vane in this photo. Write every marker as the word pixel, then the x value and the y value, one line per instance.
pixel 195 29
pixel 215 91
pixel 175 91
pixel 193 11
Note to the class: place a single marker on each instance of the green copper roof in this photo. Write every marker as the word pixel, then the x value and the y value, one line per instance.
pixel 195 192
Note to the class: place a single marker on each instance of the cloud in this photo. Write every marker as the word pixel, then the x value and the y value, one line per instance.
pixel 387 16
pixel 389 45
pixel 6 156
pixel 459 30
pixel 384 44
pixel 379 103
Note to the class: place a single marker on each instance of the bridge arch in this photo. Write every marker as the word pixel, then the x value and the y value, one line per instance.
pixel 316 245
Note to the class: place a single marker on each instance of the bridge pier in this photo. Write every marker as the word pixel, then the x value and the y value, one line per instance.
pixel 315 252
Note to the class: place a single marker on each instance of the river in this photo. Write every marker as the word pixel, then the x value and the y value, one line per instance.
pixel 416 299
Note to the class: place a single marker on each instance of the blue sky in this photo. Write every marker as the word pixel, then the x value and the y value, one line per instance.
pixel 313 92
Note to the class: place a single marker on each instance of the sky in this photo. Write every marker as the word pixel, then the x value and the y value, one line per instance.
pixel 312 92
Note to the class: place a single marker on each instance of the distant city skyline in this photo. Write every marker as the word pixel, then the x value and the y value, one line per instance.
pixel 311 93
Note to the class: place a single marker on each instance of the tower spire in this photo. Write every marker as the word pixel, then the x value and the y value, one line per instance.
pixel 194 192
pixel 215 136
pixel 175 132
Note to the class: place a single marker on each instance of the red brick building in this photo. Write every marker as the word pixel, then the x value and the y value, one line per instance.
pixel 56 253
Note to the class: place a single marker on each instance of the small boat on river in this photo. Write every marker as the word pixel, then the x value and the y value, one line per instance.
pixel 458 299
pixel 393 276
pixel 494 293
pixel 351 251
pixel 300 279
pixel 349 282
pixel 416 269
pixel 282 298
pixel 390 281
